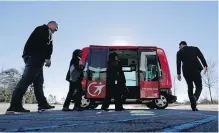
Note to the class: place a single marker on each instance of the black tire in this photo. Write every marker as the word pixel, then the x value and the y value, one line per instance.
pixel 93 105
pixel 150 105
pixel 161 103
pixel 88 104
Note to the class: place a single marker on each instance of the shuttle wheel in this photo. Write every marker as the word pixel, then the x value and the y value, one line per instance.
pixel 87 104
pixel 161 103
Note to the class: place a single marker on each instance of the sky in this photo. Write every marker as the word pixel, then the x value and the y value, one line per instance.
pixel 162 24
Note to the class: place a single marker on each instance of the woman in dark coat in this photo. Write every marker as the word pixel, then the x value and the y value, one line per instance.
pixel 115 83
pixel 74 77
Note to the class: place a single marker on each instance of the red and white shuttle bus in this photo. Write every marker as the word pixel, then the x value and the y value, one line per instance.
pixel 146 69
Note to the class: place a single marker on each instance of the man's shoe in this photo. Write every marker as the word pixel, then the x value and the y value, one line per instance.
pixel 194 109
pixel 11 110
pixel 66 109
pixel 193 103
pixel 104 109
pixel 119 109
pixel 45 107
pixel 78 109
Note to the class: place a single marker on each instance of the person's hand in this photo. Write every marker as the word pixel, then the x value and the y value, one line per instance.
pixel 205 70
pixel 179 77
pixel 47 62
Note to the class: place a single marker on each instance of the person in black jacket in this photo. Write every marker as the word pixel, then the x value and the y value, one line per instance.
pixel 115 83
pixel 192 68
pixel 74 77
pixel 37 52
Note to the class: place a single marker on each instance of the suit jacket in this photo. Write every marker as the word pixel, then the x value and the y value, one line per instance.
pixel 115 73
pixel 189 55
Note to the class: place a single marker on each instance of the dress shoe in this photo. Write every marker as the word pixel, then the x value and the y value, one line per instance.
pixel 66 109
pixel 78 109
pixel 194 109
pixel 119 109
pixel 105 109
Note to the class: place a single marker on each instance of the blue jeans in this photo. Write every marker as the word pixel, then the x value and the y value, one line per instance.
pixel 33 73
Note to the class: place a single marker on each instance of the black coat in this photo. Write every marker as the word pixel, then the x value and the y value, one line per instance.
pixel 188 56
pixel 39 44
pixel 114 72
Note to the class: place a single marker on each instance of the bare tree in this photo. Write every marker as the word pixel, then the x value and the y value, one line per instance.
pixel 9 78
pixel 210 79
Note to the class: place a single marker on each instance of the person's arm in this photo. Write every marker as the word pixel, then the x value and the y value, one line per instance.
pixel 49 50
pixel 123 76
pixel 122 73
pixel 111 74
pixel 178 63
pixel 201 57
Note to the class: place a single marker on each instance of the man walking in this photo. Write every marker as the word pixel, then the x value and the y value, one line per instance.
pixel 115 83
pixel 37 52
pixel 192 68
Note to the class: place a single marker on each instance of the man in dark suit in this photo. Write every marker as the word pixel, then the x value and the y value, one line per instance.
pixel 192 68
pixel 37 52
pixel 115 83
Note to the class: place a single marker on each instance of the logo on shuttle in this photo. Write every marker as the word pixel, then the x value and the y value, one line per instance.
pixel 99 87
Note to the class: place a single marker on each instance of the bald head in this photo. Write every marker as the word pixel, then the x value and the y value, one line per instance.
pixel 53 26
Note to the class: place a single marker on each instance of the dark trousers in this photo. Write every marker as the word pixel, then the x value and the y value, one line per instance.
pixel 115 93
pixel 33 73
pixel 193 77
pixel 74 93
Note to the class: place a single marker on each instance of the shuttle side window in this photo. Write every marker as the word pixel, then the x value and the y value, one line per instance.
pixel 97 66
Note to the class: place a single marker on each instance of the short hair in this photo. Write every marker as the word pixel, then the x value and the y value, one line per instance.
pixel 112 56
pixel 183 43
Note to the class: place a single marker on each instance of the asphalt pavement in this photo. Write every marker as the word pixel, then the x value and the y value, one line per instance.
pixel 136 118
